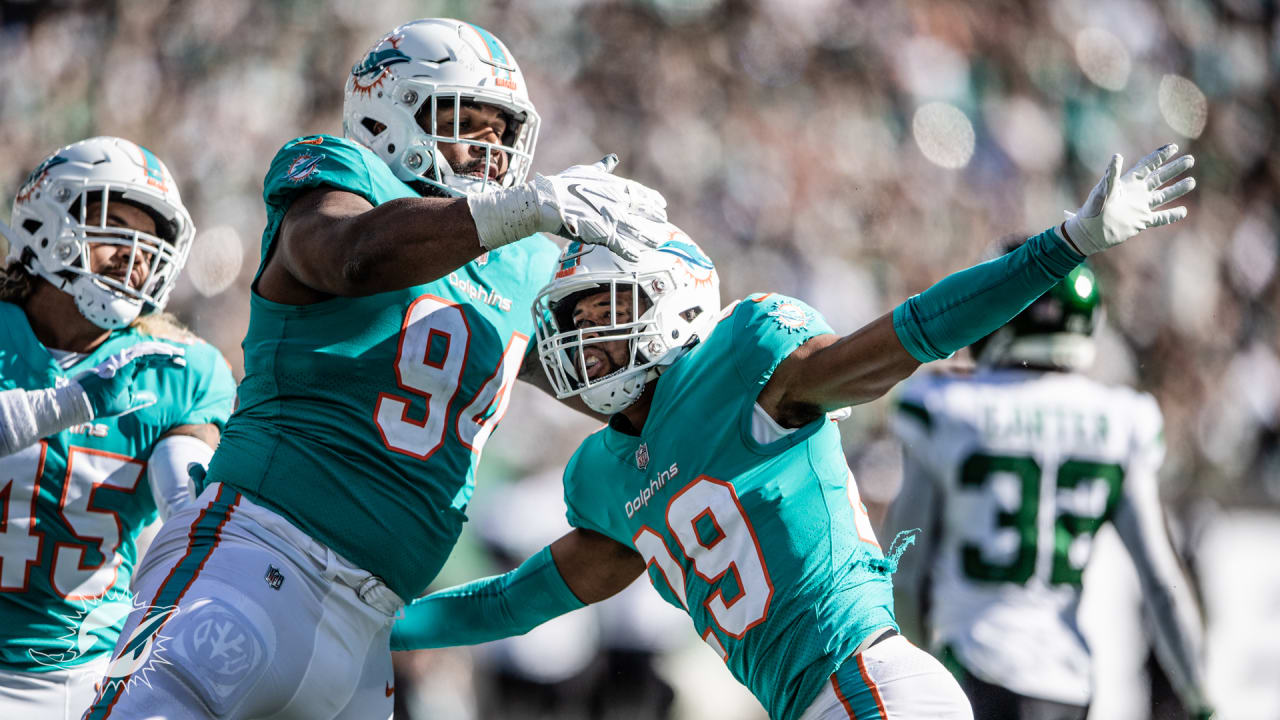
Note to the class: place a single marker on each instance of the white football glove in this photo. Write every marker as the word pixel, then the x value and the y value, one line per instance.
pixel 1121 207
pixel 597 208
pixel 584 202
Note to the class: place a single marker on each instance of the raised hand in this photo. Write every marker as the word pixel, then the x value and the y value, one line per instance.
pixel 1121 206
pixel 109 385
pixel 598 208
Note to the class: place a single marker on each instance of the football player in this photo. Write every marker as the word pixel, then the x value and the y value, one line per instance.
pixel 104 402
pixel 1011 470
pixel 720 473
pixel 389 319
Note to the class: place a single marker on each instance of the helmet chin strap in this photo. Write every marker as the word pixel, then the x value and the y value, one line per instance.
pixel 102 307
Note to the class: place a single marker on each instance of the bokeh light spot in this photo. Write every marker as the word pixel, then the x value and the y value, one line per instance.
pixel 215 260
pixel 1183 105
pixel 1103 58
pixel 944 134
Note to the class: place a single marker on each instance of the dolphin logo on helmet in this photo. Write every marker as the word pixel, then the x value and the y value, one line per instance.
pixel 377 63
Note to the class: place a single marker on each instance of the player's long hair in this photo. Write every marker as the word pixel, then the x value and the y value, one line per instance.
pixel 17 283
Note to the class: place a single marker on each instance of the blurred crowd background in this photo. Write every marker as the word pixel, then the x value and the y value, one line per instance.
pixel 849 153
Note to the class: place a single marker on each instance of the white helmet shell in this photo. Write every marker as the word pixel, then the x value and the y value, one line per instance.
pixel 52 231
pixel 675 283
pixel 426 63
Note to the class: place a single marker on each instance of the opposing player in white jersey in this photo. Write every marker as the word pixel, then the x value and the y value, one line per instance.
pixel 103 404
pixel 1010 471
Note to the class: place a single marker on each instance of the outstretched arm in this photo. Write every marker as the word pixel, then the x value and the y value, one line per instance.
pixel 1166 591
pixel 827 373
pixel 580 568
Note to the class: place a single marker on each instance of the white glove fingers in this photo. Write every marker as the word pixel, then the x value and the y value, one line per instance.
pixel 1167 217
pixel 154 348
pixel 1173 192
pixel 1149 163
pixel 1113 172
pixel 620 248
pixel 1170 171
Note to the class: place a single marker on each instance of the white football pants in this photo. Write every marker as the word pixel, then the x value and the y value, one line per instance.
pixel 56 695
pixel 891 680
pixel 245 616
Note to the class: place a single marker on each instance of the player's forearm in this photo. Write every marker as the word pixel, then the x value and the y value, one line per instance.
pixel 28 415
pixel 169 467
pixel 968 305
pixel 852 370
pixel 487 609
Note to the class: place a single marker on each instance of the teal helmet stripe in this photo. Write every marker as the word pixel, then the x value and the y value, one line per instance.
pixel 151 165
pixel 496 52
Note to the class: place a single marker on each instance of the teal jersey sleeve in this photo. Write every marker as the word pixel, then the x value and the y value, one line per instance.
pixel 315 161
pixel 769 327
pixel 324 161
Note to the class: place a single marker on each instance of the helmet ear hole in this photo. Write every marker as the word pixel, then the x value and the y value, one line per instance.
pixel 373 126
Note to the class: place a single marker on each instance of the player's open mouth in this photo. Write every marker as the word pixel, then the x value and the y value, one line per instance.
pixel 597 362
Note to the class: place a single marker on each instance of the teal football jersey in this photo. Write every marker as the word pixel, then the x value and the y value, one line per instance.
pixel 361 419
pixel 74 502
pixel 767 546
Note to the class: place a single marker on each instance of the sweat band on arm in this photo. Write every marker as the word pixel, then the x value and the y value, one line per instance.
pixel 168 471
pixel 510 214
pixel 969 305
pixel 487 609
pixel 28 415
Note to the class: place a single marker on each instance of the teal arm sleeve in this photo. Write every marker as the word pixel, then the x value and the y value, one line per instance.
pixel 487 609
pixel 968 305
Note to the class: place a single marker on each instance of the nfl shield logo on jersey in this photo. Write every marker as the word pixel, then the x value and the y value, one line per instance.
pixel 642 456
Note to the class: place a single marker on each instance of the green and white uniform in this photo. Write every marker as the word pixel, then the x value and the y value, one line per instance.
pixel 1011 472
pixel 766 544
pixel 361 419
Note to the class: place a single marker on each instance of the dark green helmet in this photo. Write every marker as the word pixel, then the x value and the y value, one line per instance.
pixel 1054 331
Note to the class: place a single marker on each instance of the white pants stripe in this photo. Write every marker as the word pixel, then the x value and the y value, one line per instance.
pixel 892 680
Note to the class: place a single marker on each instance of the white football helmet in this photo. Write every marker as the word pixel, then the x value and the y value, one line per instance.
pixel 51 231
pixel 419 66
pixel 674 284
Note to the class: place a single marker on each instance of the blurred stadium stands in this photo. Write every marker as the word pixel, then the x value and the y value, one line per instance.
pixel 846 152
